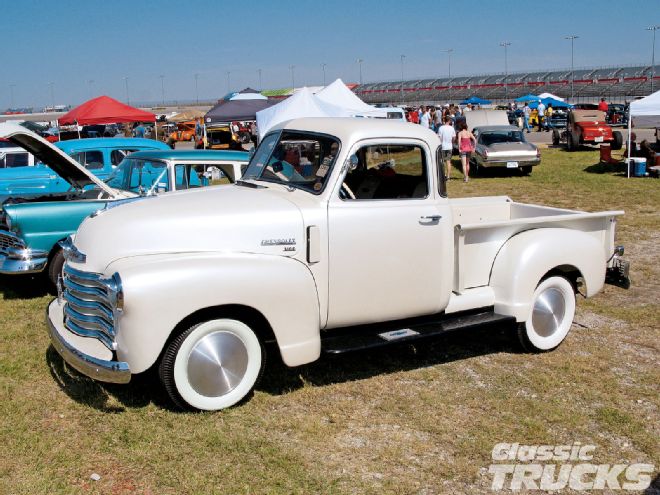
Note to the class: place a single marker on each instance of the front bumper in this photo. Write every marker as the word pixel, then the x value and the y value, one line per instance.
pixel 23 261
pixel 95 361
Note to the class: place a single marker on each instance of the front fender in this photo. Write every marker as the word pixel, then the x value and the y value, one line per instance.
pixel 525 258
pixel 161 290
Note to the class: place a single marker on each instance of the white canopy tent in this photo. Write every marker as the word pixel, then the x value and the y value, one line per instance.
pixel 339 95
pixel 301 104
pixel 550 95
pixel 643 113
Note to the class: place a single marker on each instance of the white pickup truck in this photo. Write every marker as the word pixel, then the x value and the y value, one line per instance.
pixel 339 237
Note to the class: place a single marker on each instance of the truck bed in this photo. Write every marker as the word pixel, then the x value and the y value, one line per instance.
pixel 483 224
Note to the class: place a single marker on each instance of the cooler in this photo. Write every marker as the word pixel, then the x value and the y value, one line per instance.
pixel 638 167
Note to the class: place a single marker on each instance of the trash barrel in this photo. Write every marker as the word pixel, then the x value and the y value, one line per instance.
pixel 605 153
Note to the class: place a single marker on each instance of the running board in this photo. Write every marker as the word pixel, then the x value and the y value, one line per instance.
pixel 341 340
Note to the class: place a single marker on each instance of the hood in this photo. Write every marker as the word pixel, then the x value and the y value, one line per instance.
pixel 61 163
pixel 226 218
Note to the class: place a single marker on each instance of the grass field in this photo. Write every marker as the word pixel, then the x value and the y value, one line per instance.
pixel 404 420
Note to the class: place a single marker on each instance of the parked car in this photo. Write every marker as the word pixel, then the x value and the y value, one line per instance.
pixel 617 115
pixel 503 146
pixel 11 157
pixel 587 127
pixel 185 132
pixel 223 137
pixel 361 251
pixel 100 156
pixel 30 231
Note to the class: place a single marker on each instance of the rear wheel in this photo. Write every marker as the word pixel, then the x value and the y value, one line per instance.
pixel 526 170
pixel 571 142
pixel 550 316
pixel 212 365
pixel 617 141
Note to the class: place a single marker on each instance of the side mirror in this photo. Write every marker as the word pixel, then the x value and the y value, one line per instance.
pixel 353 161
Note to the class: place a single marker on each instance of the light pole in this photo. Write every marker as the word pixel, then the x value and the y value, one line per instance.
pixel 403 57
pixel 359 61
pixel 11 92
pixel 572 37
pixel 162 88
pixel 196 89
pixel 128 99
pixel 228 81
pixel 323 69
pixel 52 94
pixel 505 44
pixel 654 29
pixel 260 86
pixel 448 51
pixel 293 80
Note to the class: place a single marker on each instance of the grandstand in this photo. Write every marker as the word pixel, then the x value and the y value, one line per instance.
pixel 616 84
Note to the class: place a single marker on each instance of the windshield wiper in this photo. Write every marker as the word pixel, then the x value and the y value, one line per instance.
pixel 248 184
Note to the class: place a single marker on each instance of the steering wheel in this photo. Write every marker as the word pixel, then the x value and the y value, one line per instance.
pixel 346 191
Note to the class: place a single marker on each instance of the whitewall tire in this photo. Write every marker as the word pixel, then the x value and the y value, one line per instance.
pixel 550 316
pixel 212 365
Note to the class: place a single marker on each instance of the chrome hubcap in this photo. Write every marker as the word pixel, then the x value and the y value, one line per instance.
pixel 549 312
pixel 217 364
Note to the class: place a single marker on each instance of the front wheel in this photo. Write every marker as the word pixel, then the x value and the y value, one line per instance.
pixel 55 267
pixel 212 365
pixel 555 137
pixel 617 140
pixel 550 317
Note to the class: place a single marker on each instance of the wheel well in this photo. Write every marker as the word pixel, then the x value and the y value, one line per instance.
pixel 571 273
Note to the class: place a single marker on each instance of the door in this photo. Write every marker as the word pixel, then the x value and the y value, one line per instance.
pixel 390 237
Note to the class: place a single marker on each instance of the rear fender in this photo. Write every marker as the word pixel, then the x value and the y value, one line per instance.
pixel 160 291
pixel 527 257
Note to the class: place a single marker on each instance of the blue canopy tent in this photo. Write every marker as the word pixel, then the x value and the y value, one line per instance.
pixel 475 100
pixel 528 97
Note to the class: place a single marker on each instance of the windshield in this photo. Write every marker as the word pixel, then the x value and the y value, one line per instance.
pixel 494 137
pixel 140 176
pixel 294 158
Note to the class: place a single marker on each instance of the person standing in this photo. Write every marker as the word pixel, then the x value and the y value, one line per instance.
pixel 548 117
pixel 425 118
pixel 447 136
pixel 466 144
pixel 526 113
pixel 540 110
pixel 603 106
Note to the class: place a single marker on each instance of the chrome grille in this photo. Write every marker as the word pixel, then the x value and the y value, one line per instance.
pixel 91 305
pixel 9 241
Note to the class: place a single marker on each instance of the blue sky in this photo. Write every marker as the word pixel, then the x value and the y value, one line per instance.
pixel 71 43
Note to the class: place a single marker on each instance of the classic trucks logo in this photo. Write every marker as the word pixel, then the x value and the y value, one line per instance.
pixel 557 467
pixel 279 242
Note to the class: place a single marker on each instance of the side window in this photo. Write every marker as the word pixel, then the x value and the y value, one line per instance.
pixel 116 156
pixel 14 160
pixel 387 171
pixel 91 160
pixel 442 181
pixel 182 179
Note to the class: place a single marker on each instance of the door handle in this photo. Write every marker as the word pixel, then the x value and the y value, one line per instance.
pixel 431 218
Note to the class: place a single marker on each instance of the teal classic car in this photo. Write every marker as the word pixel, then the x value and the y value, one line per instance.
pixel 31 231
pixel 98 155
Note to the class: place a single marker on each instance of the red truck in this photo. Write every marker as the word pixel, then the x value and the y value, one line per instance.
pixel 587 127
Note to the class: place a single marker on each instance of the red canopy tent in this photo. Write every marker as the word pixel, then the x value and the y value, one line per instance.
pixel 105 110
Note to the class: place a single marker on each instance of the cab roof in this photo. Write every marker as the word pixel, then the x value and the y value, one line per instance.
pixel 71 145
pixel 197 155
pixel 350 130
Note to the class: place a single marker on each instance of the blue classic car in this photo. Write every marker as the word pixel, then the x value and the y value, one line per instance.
pixel 30 231
pixel 98 155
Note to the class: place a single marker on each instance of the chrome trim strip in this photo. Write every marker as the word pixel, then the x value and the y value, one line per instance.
pixel 89 308
pixel 71 252
pixel 98 369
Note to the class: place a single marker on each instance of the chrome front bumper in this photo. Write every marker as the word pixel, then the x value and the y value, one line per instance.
pixel 94 366
pixel 16 257
pixel 16 261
